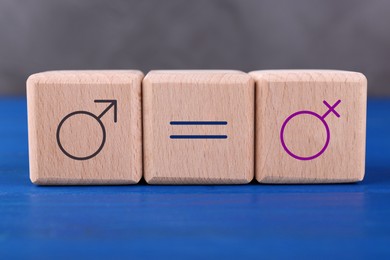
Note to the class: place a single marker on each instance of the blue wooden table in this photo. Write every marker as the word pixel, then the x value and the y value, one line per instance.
pixel 253 221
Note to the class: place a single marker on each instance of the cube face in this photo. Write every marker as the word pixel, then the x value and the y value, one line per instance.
pixel 198 127
pixel 310 126
pixel 85 127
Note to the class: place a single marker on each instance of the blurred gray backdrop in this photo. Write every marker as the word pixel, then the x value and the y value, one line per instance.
pixel 38 35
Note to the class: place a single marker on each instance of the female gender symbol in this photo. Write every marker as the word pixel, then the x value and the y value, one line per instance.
pixel 321 118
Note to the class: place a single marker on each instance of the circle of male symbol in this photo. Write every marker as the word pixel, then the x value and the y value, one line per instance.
pixel 321 118
pixel 113 103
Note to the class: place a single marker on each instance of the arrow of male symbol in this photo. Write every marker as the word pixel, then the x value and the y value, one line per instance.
pixel 113 103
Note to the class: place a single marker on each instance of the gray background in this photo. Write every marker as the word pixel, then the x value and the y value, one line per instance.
pixel 38 35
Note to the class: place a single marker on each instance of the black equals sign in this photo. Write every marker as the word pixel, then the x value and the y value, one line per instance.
pixel 198 136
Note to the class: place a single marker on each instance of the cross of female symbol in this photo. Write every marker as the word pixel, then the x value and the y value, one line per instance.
pixel 331 109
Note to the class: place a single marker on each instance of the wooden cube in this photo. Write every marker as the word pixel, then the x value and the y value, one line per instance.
pixel 310 126
pixel 198 127
pixel 85 127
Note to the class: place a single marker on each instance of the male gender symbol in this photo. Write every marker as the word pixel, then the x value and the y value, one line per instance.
pixel 321 118
pixel 113 103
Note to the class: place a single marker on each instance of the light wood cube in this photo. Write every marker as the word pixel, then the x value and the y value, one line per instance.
pixel 85 127
pixel 310 126
pixel 198 127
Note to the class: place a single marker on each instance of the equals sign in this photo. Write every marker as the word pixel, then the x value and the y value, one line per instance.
pixel 192 123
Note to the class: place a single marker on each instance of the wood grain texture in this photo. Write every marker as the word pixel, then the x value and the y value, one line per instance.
pixel 54 95
pixel 226 96
pixel 281 94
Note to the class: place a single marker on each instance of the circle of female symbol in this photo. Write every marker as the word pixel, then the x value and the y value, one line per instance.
pixel 322 119
pixel 113 103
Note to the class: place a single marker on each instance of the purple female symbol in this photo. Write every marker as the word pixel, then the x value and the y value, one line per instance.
pixel 321 118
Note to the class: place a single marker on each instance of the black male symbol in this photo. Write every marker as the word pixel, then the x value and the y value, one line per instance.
pixel 113 103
